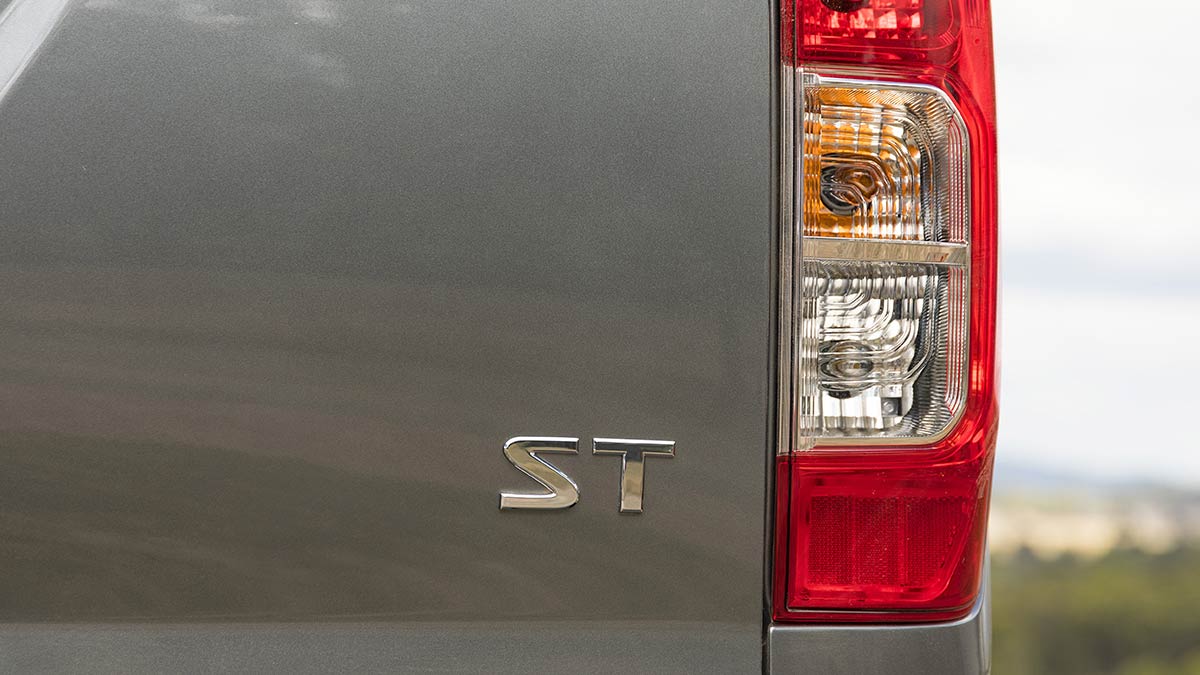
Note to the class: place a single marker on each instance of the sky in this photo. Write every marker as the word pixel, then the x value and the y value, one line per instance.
pixel 1100 252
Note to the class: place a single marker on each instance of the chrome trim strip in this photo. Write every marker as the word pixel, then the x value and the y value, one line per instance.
pixel 789 255
pixel 875 250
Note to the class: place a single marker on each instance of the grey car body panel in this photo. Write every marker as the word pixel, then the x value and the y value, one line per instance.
pixel 600 647
pixel 280 277
pixel 956 648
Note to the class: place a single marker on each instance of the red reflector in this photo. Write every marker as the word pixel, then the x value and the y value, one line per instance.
pixel 898 545
pixel 884 539
pixel 896 26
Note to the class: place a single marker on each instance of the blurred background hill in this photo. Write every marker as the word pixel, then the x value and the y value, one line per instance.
pixel 1094 575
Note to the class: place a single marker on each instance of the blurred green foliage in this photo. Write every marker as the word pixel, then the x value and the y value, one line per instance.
pixel 1128 613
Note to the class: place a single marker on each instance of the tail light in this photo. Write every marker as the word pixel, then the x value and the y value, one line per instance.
pixel 887 309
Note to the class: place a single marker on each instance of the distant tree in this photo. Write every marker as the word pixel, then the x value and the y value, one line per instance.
pixel 1128 613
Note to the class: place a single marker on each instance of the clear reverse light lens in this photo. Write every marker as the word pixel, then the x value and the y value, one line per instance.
pixel 889 349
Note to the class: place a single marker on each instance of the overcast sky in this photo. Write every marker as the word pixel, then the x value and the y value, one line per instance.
pixel 1100 230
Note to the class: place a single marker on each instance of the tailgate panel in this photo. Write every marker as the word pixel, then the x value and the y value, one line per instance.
pixel 281 278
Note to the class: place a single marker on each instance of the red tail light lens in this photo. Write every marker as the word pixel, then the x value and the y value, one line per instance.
pixel 888 311
pixel 891 29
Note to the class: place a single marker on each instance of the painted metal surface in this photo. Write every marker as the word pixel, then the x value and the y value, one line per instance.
pixel 603 647
pixel 280 277
pixel 960 647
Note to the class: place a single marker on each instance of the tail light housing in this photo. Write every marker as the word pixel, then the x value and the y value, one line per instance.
pixel 887 386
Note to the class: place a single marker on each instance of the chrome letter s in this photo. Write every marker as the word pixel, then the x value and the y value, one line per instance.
pixel 522 452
